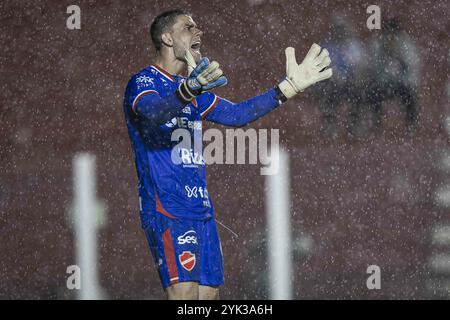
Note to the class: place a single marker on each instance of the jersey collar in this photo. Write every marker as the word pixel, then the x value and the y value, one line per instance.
pixel 163 72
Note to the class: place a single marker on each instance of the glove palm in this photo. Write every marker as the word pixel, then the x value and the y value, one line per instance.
pixel 300 76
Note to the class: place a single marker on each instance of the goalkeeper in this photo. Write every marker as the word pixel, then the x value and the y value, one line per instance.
pixel 176 211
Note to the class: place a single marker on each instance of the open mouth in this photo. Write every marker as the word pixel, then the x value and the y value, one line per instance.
pixel 196 47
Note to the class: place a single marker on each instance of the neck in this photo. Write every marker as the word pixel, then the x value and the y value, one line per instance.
pixel 168 62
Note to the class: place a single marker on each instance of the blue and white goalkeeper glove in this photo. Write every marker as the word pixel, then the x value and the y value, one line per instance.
pixel 314 68
pixel 202 77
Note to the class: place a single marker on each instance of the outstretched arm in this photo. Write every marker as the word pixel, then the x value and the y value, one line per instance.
pixel 239 114
pixel 314 68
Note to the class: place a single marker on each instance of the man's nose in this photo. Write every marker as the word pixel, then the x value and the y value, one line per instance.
pixel 199 33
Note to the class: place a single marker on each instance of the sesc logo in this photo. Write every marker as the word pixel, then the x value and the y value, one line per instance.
pixel 189 238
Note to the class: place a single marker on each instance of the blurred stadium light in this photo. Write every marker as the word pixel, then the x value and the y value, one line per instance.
pixel 279 230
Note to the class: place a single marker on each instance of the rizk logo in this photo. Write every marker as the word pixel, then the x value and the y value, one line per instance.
pixel 187 260
pixel 188 237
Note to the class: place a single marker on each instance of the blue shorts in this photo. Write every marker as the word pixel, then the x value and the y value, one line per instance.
pixel 185 250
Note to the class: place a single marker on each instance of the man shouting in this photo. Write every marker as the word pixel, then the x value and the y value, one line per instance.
pixel 176 210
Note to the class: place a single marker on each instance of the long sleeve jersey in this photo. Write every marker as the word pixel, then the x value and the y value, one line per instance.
pixel 172 179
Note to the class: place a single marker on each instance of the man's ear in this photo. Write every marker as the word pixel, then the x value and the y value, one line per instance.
pixel 167 39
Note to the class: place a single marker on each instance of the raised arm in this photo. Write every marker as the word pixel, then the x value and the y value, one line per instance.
pixel 314 68
pixel 157 108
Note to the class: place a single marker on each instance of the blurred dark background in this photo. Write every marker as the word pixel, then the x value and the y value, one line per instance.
pixel 357 200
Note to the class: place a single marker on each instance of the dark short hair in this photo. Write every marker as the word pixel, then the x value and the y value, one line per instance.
pixel 162 23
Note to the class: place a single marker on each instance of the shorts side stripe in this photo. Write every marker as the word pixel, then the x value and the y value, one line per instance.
pixel 170 256
pixel 160 208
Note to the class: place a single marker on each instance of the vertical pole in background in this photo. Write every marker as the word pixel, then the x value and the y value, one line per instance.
pixel 85 205
pixel 279 230
pixel 439 260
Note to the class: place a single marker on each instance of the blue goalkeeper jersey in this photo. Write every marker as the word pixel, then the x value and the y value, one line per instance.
pixel 172 176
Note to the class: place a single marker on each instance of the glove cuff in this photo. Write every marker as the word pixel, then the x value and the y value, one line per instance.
pixel 185 94
pixel 288 88
pixel 279 95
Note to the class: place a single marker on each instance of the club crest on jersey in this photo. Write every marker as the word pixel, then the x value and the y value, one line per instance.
pixel 187 260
